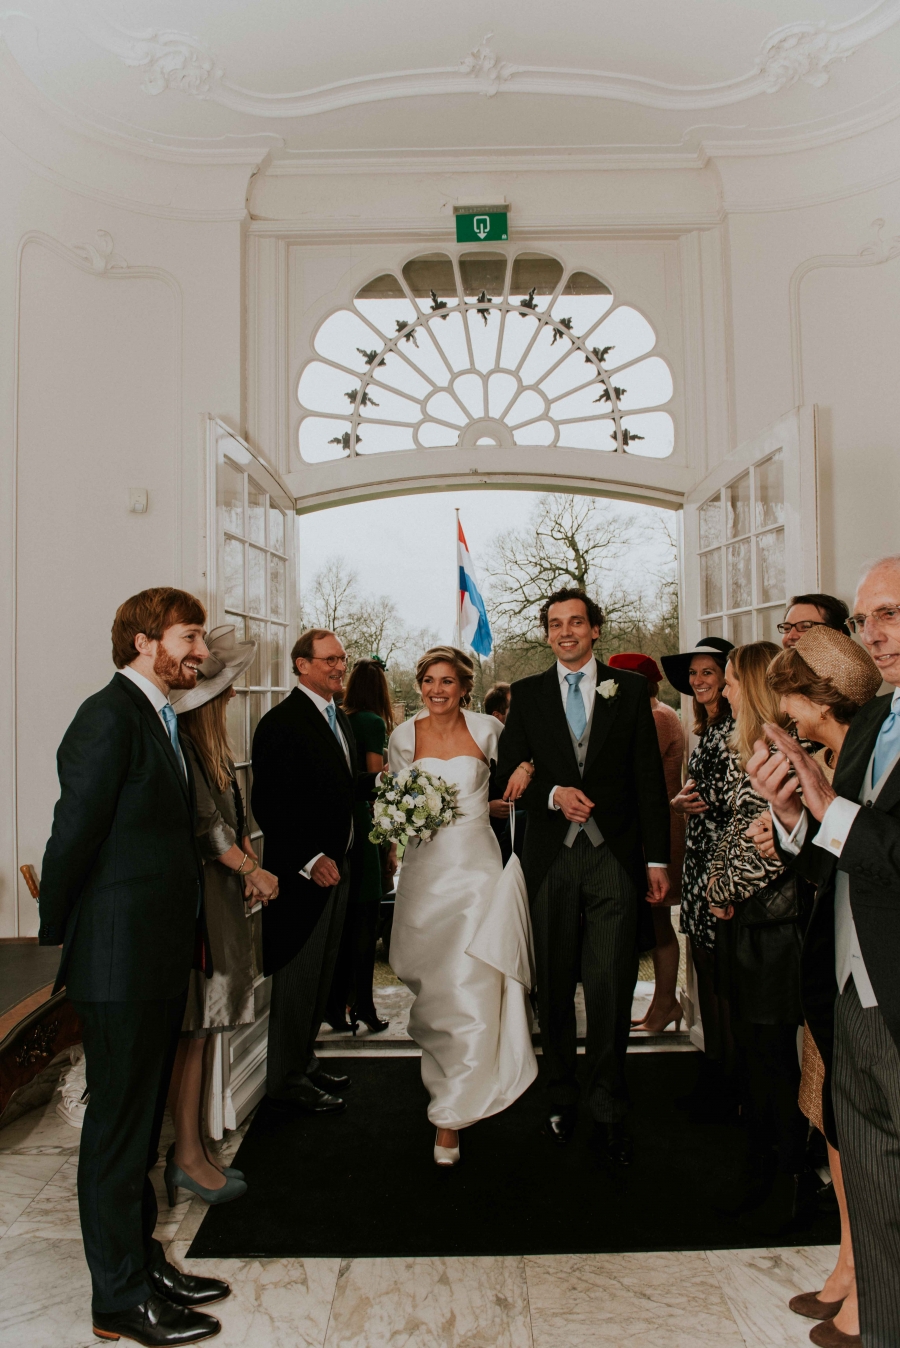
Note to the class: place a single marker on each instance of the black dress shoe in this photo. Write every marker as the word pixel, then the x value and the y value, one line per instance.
pixel 328 1081
pixel 184 1289
pixel 560 1127
pixel 614 1142
pixel 155 1322
pixel 307 1097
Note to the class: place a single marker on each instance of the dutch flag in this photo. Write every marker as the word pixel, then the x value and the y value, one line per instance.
pixel 474 627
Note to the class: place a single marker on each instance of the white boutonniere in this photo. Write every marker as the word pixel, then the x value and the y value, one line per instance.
pixel 608 689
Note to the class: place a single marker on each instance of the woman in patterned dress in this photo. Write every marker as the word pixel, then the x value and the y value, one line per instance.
pixel 704 801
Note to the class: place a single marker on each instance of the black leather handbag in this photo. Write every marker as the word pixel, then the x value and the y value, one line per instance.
pixel 776 904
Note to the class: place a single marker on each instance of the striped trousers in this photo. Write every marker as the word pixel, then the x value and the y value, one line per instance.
pixel 866 1094
pixel 300 991
pixel 585 927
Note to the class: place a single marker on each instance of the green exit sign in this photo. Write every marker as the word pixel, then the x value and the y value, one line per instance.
pixel 481 226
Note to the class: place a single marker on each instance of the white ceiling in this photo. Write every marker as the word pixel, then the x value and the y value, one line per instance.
pixel 307 80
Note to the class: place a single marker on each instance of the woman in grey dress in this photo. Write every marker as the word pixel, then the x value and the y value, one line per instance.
pixel 233 877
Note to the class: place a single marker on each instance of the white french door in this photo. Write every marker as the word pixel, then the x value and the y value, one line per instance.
pixel 252 584
pixel 751 536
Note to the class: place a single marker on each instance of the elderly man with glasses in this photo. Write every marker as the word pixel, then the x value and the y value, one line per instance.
pixel 846 837
pixel 305 783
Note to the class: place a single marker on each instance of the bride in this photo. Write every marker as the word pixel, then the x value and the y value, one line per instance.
pixel 471 1021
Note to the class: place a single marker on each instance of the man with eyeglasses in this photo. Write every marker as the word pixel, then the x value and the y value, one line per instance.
pixel 305 783
pixel 812 610
pixel 846 837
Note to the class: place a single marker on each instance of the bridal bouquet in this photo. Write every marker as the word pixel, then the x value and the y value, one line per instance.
pixel 412 804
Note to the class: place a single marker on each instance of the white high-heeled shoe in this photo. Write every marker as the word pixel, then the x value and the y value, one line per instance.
pixel 445 1155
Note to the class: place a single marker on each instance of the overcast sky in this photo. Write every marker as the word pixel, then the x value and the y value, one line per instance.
pixel 405 546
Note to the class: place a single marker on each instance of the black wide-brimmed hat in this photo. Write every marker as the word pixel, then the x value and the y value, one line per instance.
pixel 677 667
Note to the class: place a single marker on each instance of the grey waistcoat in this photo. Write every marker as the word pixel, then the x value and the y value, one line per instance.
pixel 580 747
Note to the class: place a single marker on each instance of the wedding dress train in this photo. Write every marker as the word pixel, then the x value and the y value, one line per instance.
pixel 471 1016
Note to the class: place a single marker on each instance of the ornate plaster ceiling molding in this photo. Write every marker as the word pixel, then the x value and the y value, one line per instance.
pixel 803 51
pixel 101 255
pixel 872 254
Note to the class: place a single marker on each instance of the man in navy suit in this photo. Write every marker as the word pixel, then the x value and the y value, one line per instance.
pixel 121 891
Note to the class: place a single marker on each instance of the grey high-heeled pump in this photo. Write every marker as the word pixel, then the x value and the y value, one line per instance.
pixel 229 1171
pixel 175 1179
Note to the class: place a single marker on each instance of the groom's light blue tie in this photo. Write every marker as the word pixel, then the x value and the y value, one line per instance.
pixel 170 721
pixel 575 712
pixel 887 746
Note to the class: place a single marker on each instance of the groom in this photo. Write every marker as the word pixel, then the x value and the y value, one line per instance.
pixel 597 838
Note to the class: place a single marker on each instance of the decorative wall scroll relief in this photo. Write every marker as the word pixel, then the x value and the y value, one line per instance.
pixel 802 51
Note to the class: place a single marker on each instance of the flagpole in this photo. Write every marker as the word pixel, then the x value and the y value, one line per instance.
pixel 458 604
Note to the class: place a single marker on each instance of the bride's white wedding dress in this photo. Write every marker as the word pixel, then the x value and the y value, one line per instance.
pixel 471 1020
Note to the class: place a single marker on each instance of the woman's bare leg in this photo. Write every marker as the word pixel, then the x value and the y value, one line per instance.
pixel 184 1102
pixel 842 1282
pixel 447 1137
pixel 666 953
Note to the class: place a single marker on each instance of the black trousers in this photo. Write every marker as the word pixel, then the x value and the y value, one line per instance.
pixel 300 991
pixel 585 926
pixel 354 969
pixel 715 1015
pixel 866 1094
pixel 768 1069
pixel 129 1050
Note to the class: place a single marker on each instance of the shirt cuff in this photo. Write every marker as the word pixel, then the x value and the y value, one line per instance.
pixel 551 804
pixel 793 841
pixel 309 865
pixel 837 822
pixel 659 865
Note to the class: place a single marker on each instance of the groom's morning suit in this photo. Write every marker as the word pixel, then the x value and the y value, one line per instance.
pixel 850 992
pixel 305 782
pixel 587 884
pixel 121 889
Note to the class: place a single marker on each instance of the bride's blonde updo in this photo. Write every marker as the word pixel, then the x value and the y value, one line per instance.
pixel 463 668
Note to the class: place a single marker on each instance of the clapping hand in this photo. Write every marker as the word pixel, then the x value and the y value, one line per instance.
pixel 689 800
pixel 780 777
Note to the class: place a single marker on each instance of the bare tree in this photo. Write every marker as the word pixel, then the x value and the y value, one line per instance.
pixel 332 597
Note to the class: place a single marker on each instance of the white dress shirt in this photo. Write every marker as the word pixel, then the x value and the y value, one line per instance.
pixel 588 686
pixel 157 699
pixel 321 704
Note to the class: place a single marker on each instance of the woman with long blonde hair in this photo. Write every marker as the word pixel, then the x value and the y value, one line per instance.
pixel 761 912
pixel 232 877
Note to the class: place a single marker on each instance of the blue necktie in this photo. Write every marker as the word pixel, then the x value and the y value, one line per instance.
pixel 575 713
pixel 332 720
pixel 887 746
pixel 170 720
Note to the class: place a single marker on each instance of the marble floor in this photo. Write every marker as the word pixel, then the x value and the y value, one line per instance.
pixel 689 1299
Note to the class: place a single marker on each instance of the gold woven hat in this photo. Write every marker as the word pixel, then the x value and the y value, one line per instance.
pixel 836 657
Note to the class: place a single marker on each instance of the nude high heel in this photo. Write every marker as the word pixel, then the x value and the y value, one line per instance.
pixel 446 1156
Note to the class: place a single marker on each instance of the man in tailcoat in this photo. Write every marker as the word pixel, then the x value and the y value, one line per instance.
pixel 597 838
pixel 305 782
pixel 845 836
pixel 121 891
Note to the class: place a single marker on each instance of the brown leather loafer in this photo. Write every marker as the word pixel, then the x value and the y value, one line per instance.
pixel 808 1304
pixel 827 1335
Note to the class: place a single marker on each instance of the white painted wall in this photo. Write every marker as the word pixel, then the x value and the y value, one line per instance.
pixel 105 376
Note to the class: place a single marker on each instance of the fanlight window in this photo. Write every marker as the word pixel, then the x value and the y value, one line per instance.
pixel 482 349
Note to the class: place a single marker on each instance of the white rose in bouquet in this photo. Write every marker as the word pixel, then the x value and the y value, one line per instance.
pixel 412 805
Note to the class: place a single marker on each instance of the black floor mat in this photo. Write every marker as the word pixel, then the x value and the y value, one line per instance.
pixel 364 1183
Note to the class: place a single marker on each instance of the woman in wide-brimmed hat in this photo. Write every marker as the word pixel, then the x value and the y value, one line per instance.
pixel 704 803
pixel 664 1008
pixel 232 876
